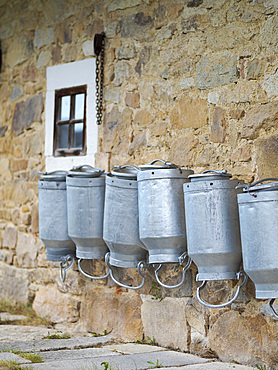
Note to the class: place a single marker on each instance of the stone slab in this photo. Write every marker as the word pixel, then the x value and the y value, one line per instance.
pixel 78 354
pixel 212 366
pixel 8 356
pixel 12 333
pixel 131 348
pixel 5 316
pixel 54 344
pixel 126 362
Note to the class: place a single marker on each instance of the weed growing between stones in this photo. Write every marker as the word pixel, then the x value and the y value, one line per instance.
pixel 56 336
pixel 104 332
pixel 34 357
pixel 149 341
pixel 107 366
pixel 21 309
pixel 12 365
pixel 155 364
pixel 156 291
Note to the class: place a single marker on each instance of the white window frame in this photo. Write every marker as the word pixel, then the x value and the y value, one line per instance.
pixel 65 76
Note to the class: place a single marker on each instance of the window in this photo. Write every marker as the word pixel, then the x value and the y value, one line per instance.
pixel 71 137
pixel 70 121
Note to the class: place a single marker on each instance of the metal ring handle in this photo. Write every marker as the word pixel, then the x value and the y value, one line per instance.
pixel 89 167
pixel 58 172
pixel 186 267
pixel 69 261
pixel 223 304
pixel 221 172
pixel 90 276
pixel 126 166
pixel 263 180
pixel 140 267
pixel 272 308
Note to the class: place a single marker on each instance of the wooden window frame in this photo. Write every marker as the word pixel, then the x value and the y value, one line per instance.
pixel 70 151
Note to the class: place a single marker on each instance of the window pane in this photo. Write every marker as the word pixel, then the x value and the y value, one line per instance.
pixel 78 135
pixel 63 135
pixel 79 106
pixel 65 108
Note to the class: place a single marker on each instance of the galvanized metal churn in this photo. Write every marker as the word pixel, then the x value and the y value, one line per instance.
pixel 121 222
pixel 53 223
pixel 85 200
pixel 212 227
pixel 258 214
pixel 161 214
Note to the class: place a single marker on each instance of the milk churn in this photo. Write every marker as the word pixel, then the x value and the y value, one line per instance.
pixel 258 214
pixel 212 227
pixel 85 200
pixel 161 213
pixel 120 224
pixel 53 224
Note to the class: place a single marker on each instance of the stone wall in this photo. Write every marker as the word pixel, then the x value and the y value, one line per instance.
pixel 191 81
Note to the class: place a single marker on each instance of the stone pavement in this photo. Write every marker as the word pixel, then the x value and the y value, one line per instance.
pixel 94 353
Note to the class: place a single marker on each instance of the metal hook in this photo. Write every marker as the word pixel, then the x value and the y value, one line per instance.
pixel 272 308
pixel 223 304
pixel 90 276
pixel 69 261
pixel 186 267
pixel 140 267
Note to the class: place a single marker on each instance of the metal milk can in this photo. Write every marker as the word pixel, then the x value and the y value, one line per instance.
pixel 53 224
pixel 212 228
pixel 161 213
pixel 85 200
pixel 121 221
pixel 258 214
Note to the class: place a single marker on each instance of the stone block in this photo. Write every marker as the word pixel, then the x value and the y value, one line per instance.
pixel 113 95
pixel 3 130
pixel 44 58
pixel 139 141
pixel 237 113
pixel 144 57
pixel 160 320
pixel 122 72
pixel 43 37
pixel 14 283
pixel 186 83
pixel 88 48
pixel 258 117
pixel 266 157
pixel 73 284
pixel 242 154
pixel 19 50
pixel 26 113
pixel 7 30
pixel 122 4
pixel 19 164
pixel 136 26
pixel 64 33
pixel 113 310
pixel 126 52
pixel 27 249
pixel 196 316
pixel 35 219
pixel 10 237
pixel 95 27
pixel 216 71
pixel 6 256
pixel 132 100
pixel 182 149
pixel 218 126
pixel 189 113
pixel 66 307
pixel 270 84
pixel 16 92
pixel 56 55
pixel 245 339
pixel 29 74
pixel 255 69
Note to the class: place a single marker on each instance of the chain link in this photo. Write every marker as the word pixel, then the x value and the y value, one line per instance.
pixel 99 83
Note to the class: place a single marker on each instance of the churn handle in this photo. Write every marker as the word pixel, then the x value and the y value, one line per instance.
pixel 215 171
pixel 186 267
pixel 127 166
pixel 272 308
pixel 165 162
pixel 88 275
pixel 65 260
pixel 223 304
pixel 140 267
pixel 263 180
pixel 100 170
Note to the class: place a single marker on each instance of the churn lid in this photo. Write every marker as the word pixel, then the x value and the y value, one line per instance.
pixel 273 185
pixel 54 175
pixel 126 172
pixel 162 165
pixel 86 171
pixel 210 175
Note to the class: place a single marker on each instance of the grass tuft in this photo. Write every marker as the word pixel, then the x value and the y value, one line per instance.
pixel 56 336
